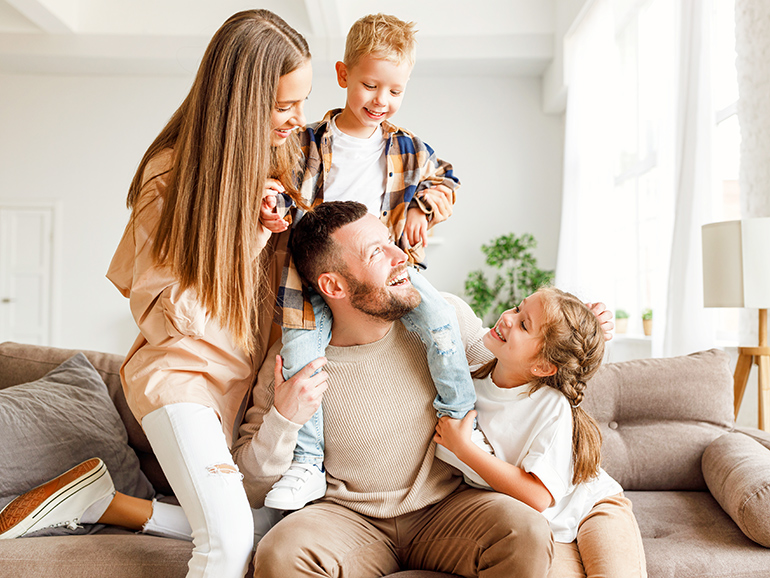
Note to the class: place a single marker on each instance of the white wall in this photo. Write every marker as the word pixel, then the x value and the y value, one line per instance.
pixel 78 140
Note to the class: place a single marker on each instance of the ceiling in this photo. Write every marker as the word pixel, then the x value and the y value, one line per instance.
pixel 168 37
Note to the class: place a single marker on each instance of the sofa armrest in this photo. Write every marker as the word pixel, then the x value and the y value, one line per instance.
pixel 736 468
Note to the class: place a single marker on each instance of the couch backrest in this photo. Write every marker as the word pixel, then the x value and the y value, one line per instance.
pixel 22 363
pixel 658 415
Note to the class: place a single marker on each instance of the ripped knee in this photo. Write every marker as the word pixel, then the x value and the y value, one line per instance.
pixel 442 338
pixel 225 470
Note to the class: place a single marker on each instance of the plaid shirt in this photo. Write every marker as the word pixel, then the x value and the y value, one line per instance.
pixel 412 167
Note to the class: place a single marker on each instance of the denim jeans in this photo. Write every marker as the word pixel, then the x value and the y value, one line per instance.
pixel 434 321
pixel 188 441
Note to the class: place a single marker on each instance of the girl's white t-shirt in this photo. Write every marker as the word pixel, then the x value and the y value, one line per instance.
pixel 534 432
pixel 358 169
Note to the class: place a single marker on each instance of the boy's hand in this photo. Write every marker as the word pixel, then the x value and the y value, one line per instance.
pixel 268 215
pixel 416 228
pixel 605 318
pixel 455 434
pixel 439 198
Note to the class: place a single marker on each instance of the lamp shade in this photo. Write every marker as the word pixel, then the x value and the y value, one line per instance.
pixel 736 264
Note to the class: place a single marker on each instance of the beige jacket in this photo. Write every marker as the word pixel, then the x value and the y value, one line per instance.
pixel 181 354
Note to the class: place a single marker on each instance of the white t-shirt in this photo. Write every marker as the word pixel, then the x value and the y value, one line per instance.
pixel 534 432
pixel 358 170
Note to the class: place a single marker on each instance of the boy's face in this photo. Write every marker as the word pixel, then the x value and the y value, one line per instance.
pixel 375 90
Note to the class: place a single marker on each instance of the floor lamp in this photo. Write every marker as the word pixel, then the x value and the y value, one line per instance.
pixel 736 273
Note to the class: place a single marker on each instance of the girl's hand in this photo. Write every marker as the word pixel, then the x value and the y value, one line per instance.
pixel 268 215
pixel 298 398
pixel 455 434
pixel 605 318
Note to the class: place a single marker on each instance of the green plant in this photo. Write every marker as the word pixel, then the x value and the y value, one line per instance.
pixel 647 314
pixel 621 314
pixel 518 276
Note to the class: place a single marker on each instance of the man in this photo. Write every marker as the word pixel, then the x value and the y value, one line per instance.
pixel 389 505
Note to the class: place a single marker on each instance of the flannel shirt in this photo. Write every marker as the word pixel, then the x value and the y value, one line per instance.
pixel 412 167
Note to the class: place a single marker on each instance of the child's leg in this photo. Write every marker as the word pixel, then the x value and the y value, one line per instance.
pixel 435 321
pixel 300 347
pixel 609 540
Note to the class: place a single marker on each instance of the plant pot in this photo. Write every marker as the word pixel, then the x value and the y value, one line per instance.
pixel 647 326
pixel 621 325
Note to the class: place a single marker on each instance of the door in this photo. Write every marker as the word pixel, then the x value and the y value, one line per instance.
pixel 26 273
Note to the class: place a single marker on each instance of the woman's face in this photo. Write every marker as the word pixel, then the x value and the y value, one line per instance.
pixel 288 111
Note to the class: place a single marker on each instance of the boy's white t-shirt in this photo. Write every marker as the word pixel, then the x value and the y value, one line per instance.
pixel 534 432
pixel 358 170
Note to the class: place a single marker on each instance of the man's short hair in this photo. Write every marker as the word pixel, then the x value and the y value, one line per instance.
pixel 312 246
pixel 382 36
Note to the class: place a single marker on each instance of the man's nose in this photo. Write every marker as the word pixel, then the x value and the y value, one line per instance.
pixel 398 256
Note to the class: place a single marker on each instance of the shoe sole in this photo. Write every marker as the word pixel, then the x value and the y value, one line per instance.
pixel 23 513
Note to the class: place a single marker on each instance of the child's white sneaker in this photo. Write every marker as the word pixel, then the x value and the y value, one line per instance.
pixel 302 483
pixel 78 496
pixel 470 475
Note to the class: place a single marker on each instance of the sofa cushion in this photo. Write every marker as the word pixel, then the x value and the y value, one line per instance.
pixel 658 415
pixel 52 424
pixel 737 471
pixel 687 535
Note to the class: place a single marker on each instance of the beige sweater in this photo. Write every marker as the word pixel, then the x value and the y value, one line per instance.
pixel 379 422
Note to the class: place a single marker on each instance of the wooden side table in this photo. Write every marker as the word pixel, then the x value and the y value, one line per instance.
pixel 747 356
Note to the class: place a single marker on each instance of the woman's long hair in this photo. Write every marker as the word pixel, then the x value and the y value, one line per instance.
pixel 220 136
pixel 573 341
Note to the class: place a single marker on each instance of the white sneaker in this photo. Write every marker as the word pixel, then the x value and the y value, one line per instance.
pixel 78 496
pixel 302 483
pixel 470 475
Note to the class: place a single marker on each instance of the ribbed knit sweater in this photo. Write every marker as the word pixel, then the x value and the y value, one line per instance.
pixel 379 423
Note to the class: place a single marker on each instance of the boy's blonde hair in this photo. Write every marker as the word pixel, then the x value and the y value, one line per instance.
pixel 383 36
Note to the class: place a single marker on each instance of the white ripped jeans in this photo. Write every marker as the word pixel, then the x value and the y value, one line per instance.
pixel 188 441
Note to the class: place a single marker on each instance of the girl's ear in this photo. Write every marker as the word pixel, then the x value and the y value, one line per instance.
pixel 331 285
pixel 543 369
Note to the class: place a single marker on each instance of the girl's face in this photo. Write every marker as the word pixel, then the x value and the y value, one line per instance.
pixel 516 339
pixel 288 112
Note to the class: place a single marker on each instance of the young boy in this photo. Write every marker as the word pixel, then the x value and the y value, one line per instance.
pixel 356 154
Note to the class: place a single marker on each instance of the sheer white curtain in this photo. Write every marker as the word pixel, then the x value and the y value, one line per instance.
pixel 688 325
pixel 582 263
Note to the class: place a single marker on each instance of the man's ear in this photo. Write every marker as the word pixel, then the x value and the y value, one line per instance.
pixel 332 285
pixel 543 369
pixel 342 74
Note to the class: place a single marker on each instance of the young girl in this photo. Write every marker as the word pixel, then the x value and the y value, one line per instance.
pixel 547 449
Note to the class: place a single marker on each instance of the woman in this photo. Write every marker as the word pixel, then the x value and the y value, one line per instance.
pixel 191 264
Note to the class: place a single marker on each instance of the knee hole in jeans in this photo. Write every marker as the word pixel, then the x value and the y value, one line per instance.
pixel 442 337
pixel 224 470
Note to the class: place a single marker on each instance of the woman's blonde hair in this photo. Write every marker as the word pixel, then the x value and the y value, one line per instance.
pixel 573 342
pixel 221 138
pixel 383 36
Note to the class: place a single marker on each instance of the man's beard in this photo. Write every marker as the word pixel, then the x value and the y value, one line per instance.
pixel 379 302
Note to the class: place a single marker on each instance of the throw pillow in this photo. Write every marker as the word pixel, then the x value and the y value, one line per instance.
pixel 52 424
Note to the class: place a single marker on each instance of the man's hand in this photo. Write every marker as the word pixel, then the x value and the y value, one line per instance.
pixel 298 398
pixel 605 318
pixel 416 228
pixel 439 198
pixel 268 215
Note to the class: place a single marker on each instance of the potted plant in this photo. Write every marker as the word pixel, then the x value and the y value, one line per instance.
pixel 647 321
pixel 621 321
pixel 518 276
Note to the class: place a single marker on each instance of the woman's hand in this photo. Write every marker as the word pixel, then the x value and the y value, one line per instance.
pixel 455 434
pixel 268 216
pixel 298 398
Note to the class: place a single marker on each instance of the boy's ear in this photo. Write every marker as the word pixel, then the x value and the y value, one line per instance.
pixel 332 285
pixel 543 369
pixel 342 74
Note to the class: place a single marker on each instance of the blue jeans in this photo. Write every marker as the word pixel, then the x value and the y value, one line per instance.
pixel 434 321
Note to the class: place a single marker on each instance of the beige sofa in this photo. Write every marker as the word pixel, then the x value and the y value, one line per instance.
pixel 700 488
